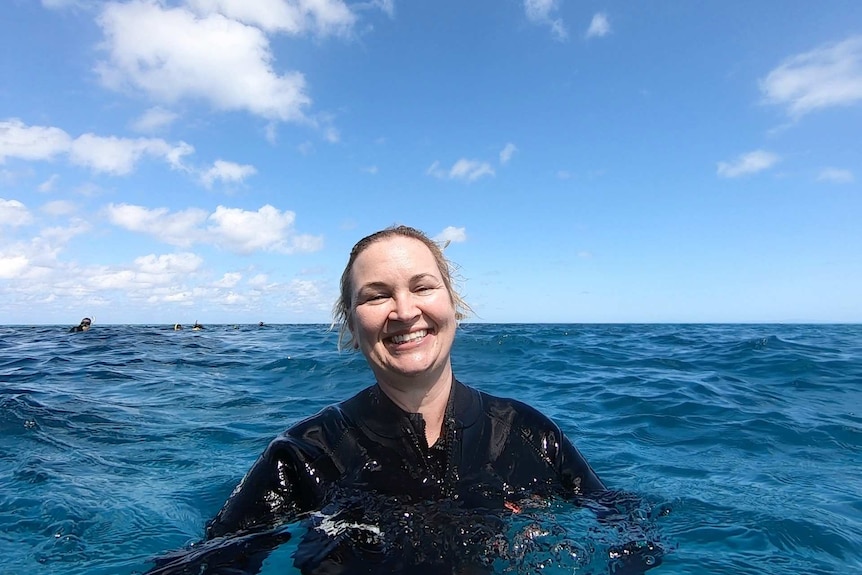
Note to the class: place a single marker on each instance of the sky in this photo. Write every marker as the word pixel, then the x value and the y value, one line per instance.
pixel 176 161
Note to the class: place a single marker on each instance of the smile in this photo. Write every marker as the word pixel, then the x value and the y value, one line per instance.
pixel 413 336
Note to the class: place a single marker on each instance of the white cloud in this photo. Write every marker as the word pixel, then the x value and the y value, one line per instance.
pixel 227 172
pixel 507 153
pixel 237 230
pixel 463 169
pixel 180 229
pixel 304 294
pixel 118 156
pixel 470 170
pixel 112 280
pixel 452 234
pixel 181 263
pixel 12 266
pixel 267 229
pixel 18 140
pixel 183 298
pixel 36 259
pixel 13 213
pixel 106 154
pixel 836 175
pixel 540 12
pixel 172 54
pixel 54 239
pixel 749 163
pixel 260 281
pixel 828 76
pixel 599 26
pixel 322 17
pixel 228 280
pixel 154 120
pixel 385 6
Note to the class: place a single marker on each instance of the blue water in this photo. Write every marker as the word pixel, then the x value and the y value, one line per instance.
pixel 744 442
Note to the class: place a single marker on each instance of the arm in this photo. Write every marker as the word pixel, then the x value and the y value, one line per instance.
pixel 576 475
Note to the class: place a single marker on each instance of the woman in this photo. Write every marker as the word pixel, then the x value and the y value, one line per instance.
pixel 416 437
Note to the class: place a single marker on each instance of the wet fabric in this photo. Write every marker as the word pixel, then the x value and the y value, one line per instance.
pixel 494 451
pixel 371 496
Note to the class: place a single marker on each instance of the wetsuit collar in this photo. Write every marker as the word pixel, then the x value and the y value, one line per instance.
pixel 383 417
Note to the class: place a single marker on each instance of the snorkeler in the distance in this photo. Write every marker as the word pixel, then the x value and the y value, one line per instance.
pixel 83 326
pixel 418 436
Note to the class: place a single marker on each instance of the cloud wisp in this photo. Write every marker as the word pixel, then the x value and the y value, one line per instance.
pixel 747 164
pixel 600 26
pixel 543 12
pixel 828 76
pixel 463 169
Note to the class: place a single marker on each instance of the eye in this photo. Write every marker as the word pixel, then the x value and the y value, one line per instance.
pixel 373 298
pixel 426 289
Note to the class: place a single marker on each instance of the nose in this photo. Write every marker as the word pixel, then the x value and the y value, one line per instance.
pixel 405 308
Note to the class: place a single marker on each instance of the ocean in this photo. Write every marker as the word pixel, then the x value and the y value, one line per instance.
pixel 742 443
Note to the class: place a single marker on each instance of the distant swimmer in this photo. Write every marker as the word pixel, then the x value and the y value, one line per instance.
pixel 83 326
pixel 197 326
pixel 260 324
pixel 178 327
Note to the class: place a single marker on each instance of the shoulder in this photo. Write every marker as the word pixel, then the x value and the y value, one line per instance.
pixel 516 413
pixel 321 432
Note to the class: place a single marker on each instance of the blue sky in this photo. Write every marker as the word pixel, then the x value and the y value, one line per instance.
pixel 613 161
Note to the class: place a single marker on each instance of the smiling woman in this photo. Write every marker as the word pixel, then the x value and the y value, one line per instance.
pixel 416 439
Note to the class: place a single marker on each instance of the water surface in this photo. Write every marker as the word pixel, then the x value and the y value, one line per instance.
pixel 744 441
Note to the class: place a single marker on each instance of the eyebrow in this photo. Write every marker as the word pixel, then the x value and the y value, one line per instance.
pixel 381 285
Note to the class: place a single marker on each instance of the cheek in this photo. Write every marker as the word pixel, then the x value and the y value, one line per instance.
pixel 361 323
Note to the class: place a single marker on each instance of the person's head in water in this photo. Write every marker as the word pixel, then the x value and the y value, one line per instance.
pixel 83 326
pixel 398 305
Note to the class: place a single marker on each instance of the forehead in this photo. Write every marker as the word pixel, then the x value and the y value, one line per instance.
pixel 393 255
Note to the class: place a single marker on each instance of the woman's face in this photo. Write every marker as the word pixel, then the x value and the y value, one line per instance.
pixel 403 317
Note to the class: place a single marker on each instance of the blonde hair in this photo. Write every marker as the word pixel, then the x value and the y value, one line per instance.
pixel 344 305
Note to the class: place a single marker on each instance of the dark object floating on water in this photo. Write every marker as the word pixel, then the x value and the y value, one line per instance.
pixel 83 326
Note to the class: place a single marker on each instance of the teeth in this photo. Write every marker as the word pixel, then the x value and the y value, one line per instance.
pixel 409 336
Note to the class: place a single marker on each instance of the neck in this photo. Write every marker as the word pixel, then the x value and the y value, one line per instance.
pixel 429 400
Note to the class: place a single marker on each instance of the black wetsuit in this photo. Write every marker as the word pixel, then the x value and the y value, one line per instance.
pixel 492 454
pixel 368 442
